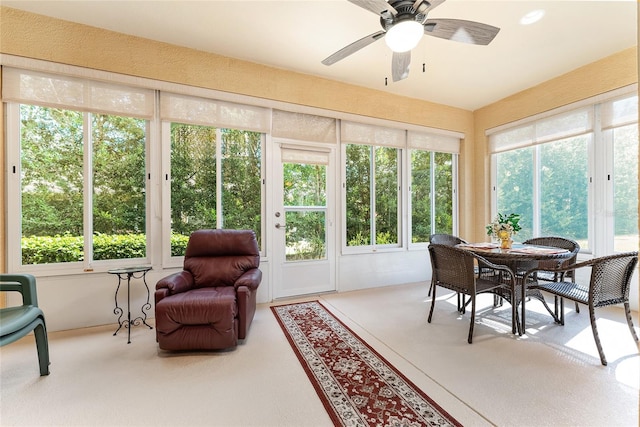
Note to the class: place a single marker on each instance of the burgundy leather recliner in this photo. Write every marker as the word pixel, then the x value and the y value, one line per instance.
pixel 210 304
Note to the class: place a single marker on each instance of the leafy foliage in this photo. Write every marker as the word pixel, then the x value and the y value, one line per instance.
pixel 563 181
pixel 305 201
pixel 66 248
pixel 504 223
pixel 194 179
pixel 54 183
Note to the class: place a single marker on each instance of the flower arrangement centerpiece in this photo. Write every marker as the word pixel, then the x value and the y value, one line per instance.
pixel 503 227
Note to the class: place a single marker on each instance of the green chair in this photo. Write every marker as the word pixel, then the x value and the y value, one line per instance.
pixel 18 321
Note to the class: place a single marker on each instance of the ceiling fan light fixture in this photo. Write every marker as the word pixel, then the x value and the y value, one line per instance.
pixel 404 35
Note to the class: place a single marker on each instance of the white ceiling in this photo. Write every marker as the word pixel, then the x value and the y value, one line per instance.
pixel 298 34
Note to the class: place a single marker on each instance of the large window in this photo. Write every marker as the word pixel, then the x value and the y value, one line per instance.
pixel 574 175
pixel 372 195
pixel 215 181
pixel 624 140
pixel 431 194
pixel 83 193
pixel 391 174
pixel 77 153
pixel 548 184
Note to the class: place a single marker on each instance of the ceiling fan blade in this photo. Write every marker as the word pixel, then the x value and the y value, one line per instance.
pixel 400 65
pixel 353 48
pixel 460 30
pixel 376 6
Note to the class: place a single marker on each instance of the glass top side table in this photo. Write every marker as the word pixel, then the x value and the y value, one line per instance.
pixel 127 274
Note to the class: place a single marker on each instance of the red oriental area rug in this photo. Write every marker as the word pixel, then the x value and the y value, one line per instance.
pixel 357 386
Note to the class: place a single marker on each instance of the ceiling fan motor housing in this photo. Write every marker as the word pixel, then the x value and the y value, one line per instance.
pixel 408 10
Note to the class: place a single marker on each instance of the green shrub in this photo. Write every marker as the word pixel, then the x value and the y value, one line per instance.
pixel 119 246
pixel 178 244
pixel 51 249
pixel 66 248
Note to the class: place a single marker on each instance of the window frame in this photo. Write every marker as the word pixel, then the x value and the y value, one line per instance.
pixel 600 152
pixel 14 216
pixel 168 260
pixel 373 246
pixel 432 178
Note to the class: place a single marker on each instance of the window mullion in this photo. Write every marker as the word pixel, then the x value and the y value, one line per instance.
pixel 536 191
pixel 219 215
pixel 432 187
pixel 372 196
pixel 88 190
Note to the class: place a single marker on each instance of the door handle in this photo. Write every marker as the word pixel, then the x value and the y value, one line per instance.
pixel 278 225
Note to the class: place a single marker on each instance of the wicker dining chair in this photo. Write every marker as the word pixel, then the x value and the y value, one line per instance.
pixel 609 285
pixel 454 269
pixel 449 240
pixel 557 242
pixel 444 239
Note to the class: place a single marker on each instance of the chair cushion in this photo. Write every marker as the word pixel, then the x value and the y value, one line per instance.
pixel 214 306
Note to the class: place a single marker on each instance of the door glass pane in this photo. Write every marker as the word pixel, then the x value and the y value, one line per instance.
pixel 358 193
pixel 52 184
pixel 420 196
pixel 304 200
pixel 625 188
pixel 193 182
pixel 387 197
pixel 305 235
pixel 564 180
pixel 515 187
pixel 119 207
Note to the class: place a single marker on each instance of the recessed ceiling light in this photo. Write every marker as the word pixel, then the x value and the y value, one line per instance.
pixel 532 17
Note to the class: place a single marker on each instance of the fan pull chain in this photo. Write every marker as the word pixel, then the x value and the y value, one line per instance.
pixel 385 81
pixel 424 67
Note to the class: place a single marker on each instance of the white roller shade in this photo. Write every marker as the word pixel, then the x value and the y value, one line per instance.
pixel 291 153
pixel 359 133
pixel 620 112
pixel 60 91
pixel 211 112
pixel 304 127
pixel 433 142
pixel 553 128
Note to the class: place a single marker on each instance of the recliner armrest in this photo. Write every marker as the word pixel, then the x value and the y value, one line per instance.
pixel 176 283
pixel 251 279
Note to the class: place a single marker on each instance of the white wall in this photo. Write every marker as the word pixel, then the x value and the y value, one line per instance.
pixel 71 302
pixel 78 301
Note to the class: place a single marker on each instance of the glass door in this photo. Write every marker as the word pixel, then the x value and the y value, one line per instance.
pixel 303 234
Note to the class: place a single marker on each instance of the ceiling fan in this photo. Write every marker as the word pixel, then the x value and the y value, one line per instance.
pixel 403 24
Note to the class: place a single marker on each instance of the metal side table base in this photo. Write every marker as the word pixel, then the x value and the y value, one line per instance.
pixel 127 274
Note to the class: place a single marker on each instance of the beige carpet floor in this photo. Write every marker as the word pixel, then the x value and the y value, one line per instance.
pixel 550 377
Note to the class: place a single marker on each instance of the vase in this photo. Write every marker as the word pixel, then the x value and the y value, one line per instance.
pixel 505 239
pixel 506 243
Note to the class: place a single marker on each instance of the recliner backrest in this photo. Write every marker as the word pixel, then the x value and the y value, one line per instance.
pixel 219 257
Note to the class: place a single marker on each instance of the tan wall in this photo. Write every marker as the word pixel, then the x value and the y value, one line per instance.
pixel 607 74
